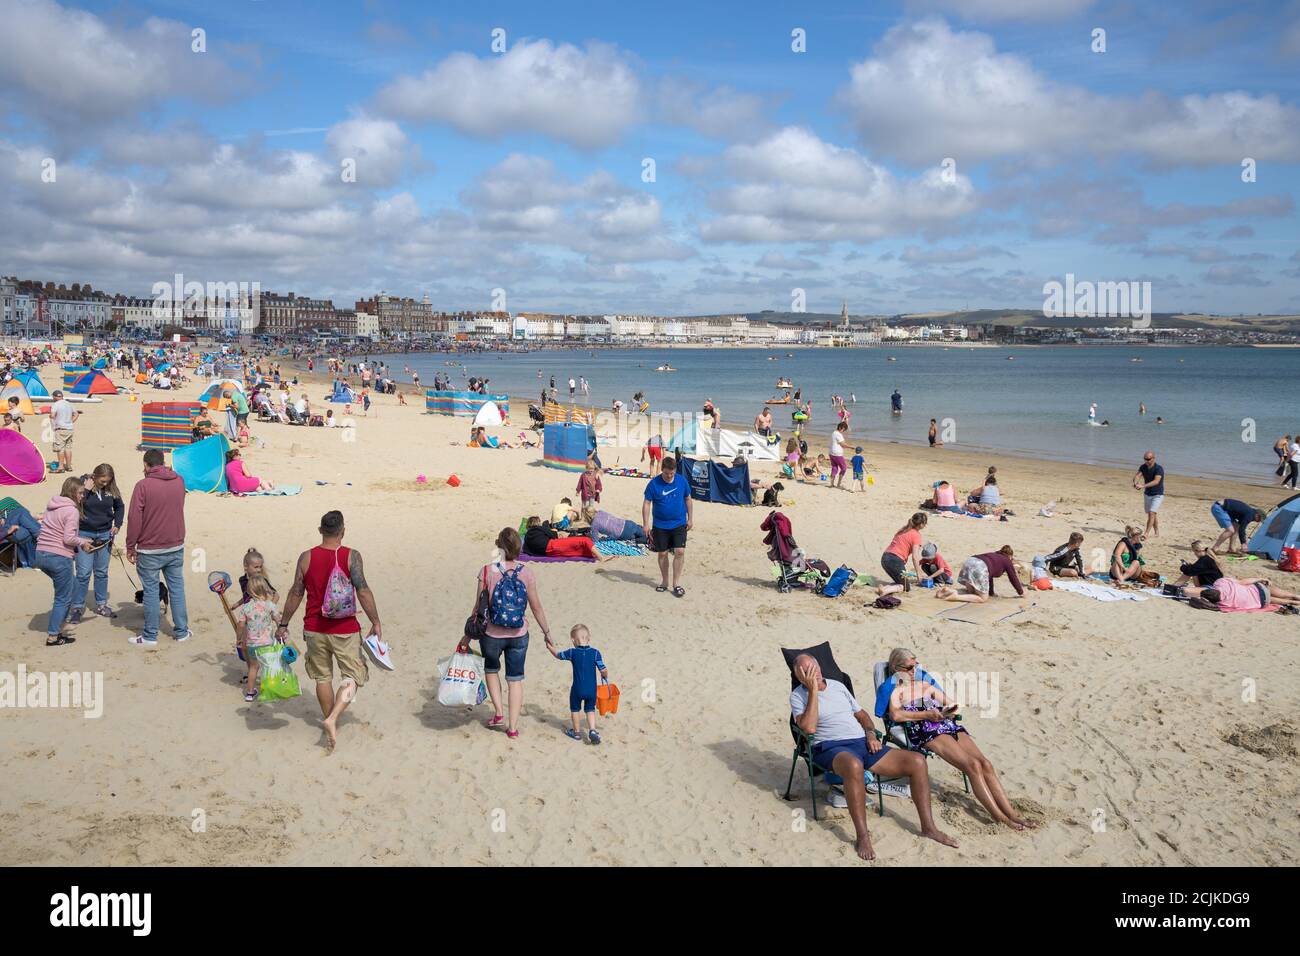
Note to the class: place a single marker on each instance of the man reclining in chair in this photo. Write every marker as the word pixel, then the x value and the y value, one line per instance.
pixel 846 744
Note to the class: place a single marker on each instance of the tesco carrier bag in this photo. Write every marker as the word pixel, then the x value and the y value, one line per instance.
pixel 461 683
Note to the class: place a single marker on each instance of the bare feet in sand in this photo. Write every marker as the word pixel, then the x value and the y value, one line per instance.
pixel 938 836
pixel 864 849
pixel 331 734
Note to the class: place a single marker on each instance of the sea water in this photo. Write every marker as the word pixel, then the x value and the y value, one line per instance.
pixel 1222 407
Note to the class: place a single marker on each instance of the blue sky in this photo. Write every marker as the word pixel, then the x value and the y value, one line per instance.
pixel 775 170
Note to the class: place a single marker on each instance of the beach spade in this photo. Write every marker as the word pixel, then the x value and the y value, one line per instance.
pixel 218 583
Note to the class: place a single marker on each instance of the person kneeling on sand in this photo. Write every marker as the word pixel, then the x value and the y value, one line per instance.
pixel 846 744
pixel 331 639
pixel 975 579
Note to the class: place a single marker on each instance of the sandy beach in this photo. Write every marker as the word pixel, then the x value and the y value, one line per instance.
pixel 1132 733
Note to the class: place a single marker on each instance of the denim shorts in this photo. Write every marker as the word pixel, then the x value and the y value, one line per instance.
pixel 1222 517
pixel 515 650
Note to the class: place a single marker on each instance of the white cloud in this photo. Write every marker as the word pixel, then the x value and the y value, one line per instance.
pixel 587 98
pixel 67 67
pixel 721 112
pixel 941 254
pixel 379 147
pixel 794 186
pixel 928 93
pixel 776 260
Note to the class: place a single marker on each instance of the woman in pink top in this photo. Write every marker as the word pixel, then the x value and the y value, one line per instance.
pixel 238 478
pixel 1243 594
pixel 508 642
pixel 906 544
pixel 55 546
pixel 945 499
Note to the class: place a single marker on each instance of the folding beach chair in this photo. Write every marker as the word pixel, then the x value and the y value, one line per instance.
pixel 897 735
pixel 8 547
pixel 803 742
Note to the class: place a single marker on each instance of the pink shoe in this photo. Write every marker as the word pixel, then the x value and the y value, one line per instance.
pixel 512 734
pixel 495 721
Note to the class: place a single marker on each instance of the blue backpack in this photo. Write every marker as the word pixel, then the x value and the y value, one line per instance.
pixel 509 600
pixel 841 579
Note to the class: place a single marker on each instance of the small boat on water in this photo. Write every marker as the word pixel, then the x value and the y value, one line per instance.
pixel 665 368
pixel 778 401
pixel 891 359
pixel 784 383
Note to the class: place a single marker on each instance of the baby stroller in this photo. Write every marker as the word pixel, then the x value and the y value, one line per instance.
pixel 793 569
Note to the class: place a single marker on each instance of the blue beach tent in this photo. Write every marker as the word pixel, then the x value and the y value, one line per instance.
pixel 202 465
pixel 1281 529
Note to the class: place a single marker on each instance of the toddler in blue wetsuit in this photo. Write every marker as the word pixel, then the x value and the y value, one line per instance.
pixel 586 661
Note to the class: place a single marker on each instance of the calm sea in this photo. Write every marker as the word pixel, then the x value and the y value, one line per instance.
pixel 1223 407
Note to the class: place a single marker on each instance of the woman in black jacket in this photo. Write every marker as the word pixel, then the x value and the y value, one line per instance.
pixel 103 514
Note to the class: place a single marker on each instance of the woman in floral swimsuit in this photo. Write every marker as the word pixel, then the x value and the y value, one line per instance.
pixel 925 713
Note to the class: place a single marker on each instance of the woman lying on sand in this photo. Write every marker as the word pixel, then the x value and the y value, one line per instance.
pixel 1243 594
pixel 925 713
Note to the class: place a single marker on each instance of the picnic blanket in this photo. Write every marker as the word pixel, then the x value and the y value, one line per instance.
pixel 622 548
pixel 1098 592
pixel 278 491
pixel 626 473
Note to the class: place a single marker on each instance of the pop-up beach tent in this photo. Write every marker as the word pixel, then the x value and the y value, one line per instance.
pixel 93 383
pixel 722 484
pixel 100 363
pixel 216 388
pixel 489 415
pixel 167 424
pixel 566 445
pixel 32 382
pixel 1281 529
pixel 696 439
pixel 202 465
pixel 16 390
pixel 20 461
pixel 342 394
pixel 463 404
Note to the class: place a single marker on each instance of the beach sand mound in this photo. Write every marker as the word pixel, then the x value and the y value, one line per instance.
pixel 1274 742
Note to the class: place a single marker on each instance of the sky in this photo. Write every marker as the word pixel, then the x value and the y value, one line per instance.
pixel 667 158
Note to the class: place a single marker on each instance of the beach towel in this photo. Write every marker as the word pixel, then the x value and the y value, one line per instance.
pixel 621 548
pixel 549 558
pixel 277 491
pixel 1098 592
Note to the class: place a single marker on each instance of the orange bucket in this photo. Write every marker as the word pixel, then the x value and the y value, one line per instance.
pixel 454 481
pixel 607 699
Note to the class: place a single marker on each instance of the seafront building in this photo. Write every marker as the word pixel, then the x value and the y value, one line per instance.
pixel 34 309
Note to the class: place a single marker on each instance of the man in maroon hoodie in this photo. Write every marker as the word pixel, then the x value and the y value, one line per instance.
pixel 155 543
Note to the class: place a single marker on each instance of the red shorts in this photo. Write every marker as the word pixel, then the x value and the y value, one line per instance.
pixel 656 452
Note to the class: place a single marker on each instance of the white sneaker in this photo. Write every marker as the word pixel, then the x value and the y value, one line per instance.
pixel 185 636
pixel 837 799
pixel 139 641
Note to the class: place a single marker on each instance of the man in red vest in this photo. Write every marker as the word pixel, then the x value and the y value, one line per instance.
pixel 333 635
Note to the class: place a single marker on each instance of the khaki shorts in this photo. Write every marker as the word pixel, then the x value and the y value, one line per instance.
pixel 62 439
pixel 324 649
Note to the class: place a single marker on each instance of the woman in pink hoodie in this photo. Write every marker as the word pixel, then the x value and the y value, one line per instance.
pixel 55 546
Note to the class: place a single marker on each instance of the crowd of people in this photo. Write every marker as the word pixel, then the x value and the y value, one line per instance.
pixel 71 543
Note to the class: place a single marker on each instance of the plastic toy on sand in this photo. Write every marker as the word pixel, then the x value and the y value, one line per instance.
pixel 453 480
